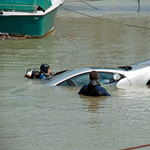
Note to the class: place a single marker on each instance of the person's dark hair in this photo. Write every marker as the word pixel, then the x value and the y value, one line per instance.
pixel 44 68
pixel 93 75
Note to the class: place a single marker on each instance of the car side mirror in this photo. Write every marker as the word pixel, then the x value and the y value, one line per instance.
pixel 116 77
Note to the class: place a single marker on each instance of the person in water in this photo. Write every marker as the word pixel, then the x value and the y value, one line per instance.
pixel 45 71
pixel 93 88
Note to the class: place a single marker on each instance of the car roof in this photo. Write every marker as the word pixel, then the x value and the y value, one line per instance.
pixel 141 65
pixel 78 71
pixel 136 66
pixel 72 73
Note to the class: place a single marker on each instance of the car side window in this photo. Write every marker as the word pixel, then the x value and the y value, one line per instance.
pixel 65 83
pixel 81 80
pixel 148 83
pixel 68 82
pixel 105 78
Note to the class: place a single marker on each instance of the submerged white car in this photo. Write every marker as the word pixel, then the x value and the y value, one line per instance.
pixel 137 74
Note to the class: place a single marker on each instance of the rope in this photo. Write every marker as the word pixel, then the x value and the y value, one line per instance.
pixel 136 147
pixel 88 4
pixel 129 25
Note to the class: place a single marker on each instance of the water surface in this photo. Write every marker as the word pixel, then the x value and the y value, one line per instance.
pixel 34 116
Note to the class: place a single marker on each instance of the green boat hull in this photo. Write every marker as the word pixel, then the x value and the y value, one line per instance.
pixel 33 26
pixel 24 5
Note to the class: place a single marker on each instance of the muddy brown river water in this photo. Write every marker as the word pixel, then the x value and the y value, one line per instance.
pixel 34 116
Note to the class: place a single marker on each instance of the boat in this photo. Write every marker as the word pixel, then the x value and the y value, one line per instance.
pixel 32 18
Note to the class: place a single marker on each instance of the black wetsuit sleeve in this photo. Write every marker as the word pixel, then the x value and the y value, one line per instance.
pixel 82 89
pixel 102 91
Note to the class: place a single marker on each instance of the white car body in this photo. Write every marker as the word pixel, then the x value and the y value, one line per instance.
pixel 137 74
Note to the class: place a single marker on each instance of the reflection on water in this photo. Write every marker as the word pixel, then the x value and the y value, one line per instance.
pixel 93 103
pixel 36 116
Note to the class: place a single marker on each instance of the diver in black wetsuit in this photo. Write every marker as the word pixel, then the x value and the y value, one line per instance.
pixel 46 72
pixel 43 73
pixel 93 88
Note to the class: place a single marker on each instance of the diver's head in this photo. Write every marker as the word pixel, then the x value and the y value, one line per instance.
pixel 45 68
pixel 94 75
